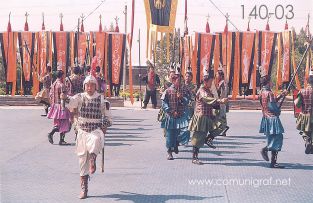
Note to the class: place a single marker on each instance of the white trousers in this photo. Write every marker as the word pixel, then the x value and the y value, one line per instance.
pixel 86 144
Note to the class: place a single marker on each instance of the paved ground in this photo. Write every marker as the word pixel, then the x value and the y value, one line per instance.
pixel 136 169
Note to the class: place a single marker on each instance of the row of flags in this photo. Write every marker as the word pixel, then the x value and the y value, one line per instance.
pixel 63 49
pixel 241 53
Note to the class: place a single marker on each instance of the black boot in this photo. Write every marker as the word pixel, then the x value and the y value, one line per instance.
pixel 62 142
pixel 274 163
pixel 46 111
pixel 195 159
pixel 176 148
pixel 264 154
pixel 308 146
pixel 209 142
pixel 224 131
pixel 50 135
pixel 169 154
pixel 144 106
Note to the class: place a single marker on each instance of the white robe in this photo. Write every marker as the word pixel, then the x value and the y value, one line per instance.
pixel 89 142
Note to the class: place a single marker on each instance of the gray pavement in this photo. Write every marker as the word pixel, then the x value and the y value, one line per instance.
pixel 136 169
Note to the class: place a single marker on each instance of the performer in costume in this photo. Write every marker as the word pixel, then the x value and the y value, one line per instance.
pixel 192 89
pixel 93 119
pixel 58 111
pixel 222 93
pixel 219 111
pixel 202 122
pixel 43 95
pixel 74 83
pixel 175 101
pixel 305 119
pixel 169 81
pixel 271 125
pixel 87 71
pixel 102 86
pixel 167 84
pixel 152 81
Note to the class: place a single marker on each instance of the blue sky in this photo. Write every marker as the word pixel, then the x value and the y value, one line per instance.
pixel 197 12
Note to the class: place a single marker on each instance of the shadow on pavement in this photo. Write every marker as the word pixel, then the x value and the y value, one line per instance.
pixel 139 198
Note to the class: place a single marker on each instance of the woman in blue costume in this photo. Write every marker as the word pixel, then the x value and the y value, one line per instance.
pixel 270 124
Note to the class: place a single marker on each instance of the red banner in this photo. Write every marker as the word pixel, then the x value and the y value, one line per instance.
pixel 72 48
pixel 100 49
pixel 187 53
pixel 61 46
pixel 82 48
pixel 268 40
pixel 27 47
pixel 236 75
pixel 246 55
pixel 116 57
pixel 36 65
pixel 279 69
pixel 194 58
pixel 227 51
pixel 206 48
pixel 216 53
pixel 9 43
pixel 42 45
pixel 286 56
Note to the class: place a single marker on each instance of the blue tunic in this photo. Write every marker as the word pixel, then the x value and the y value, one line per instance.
pixel 271 125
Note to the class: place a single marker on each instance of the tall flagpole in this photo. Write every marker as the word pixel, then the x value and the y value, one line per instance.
pixel 125 55
pixel 139 70
pixel 227 78
pixel 7 56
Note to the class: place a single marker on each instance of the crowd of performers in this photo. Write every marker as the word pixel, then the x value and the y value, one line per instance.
pixel 193 114
pixel 78 101
pixel 188 113
pixel 198 115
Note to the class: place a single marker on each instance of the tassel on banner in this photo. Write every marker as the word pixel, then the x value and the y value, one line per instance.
pixel 43 22
pixel 248 28
pixel 26 23
pixel 100 24
pixel 286 24
pixel 117 29
pixel 61 24
pixel 267 28
pixel 9 28
pixel 207 26
pixel 82 25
